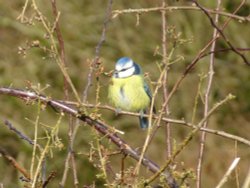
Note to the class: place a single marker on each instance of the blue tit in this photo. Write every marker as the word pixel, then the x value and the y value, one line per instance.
pixel 128 89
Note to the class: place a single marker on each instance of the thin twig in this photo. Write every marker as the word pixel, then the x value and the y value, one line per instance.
pixel 197 58
pixel 187 140
pixel 14 163
pixel 51 176
pixel 165 78
pixel 61 48
pixel 95 63
pixel 40 163
pixel 223 50
pixel 21 16
pixel 65 172
pixel 66 95
pixel 19 133
pixel 98 125
pixel 116 13
pixel 229 171
pixel 58 58
pixel 246 183
pixel 206 107
pixel 122 168
pixel 151 131
pixel 169 120
pixel 221 33
pixel 32 166
pixel 236 172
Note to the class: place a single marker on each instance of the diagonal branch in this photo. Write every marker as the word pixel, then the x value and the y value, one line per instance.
pixel 98 125
pixel 207 95
pixel 14 163
pixel 221 33
pixel 95 62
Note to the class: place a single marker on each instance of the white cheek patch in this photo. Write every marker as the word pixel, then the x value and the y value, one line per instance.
pixel 127 73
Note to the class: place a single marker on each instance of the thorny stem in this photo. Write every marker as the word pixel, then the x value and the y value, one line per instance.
pixel 66 95
pixel 94 66
pixel 197 58
pixel 95 62
pixel 222 34
pixel 58 59
pixel 98 125
pixel 21 16
pixel 169 120
pixel 14 163
pixel 116 13
pixel 150 130
pixel 165 78
pixel 40 162
pixel 35 144
pixel 206 107
pixel 188 139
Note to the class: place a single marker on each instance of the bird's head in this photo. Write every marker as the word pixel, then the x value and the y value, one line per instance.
pixel 126 67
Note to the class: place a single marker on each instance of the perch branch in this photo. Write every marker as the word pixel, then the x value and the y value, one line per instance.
pixel 98 125
pixel 169 120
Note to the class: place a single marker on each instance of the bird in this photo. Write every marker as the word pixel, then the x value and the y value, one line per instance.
pixel 128 90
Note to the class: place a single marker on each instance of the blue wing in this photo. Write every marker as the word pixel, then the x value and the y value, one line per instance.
pixel 147 90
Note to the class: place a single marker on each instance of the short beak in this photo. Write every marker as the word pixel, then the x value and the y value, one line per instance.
pixel 115 73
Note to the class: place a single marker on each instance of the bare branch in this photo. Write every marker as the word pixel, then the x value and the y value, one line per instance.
pixel 207 95
pixel 98 125
pixel 187 140
pixel 14 163
pixel 177 8
pixel 168 120
pixel 19 133
pixel 165 78
pixel 229 171
pixel 95 62
pixel 222 34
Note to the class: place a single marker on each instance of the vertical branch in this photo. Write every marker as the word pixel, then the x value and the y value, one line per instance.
pixel 237 181
pixel 35 142
pixel 150 131
pixel 61 48
pixel 70 159
pixel 207 95
pixel 95 67
pixel 66 96
pixel 200 54
pixel 50 32
pixel 187 140
pixel 95 63
pixel 165 77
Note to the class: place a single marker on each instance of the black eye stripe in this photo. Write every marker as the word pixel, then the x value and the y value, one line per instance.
pixel 126 69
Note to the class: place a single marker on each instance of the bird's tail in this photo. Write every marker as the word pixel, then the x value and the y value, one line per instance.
pixel 143 120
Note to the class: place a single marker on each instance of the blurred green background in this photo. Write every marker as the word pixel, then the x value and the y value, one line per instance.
pixel 81 25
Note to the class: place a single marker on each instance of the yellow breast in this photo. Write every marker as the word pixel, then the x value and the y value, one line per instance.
pixel 128 93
